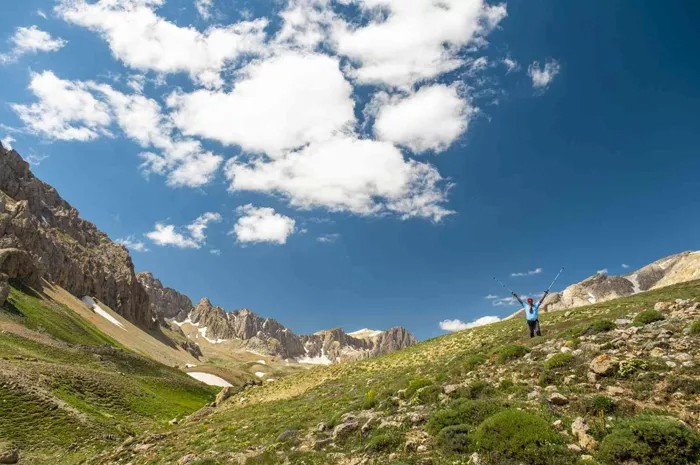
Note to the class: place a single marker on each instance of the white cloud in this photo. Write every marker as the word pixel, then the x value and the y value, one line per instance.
pixel 603 271
pixel 41 13
pixel 7 142
pixel 505 301
pixel 430 119
pixel 413 40
pixel 191 237
pixel 132 244
pixel 27 40
pixel 305 24
pixel 510 64
pixel 527 273
pixel 142 40
pixel 66 110
pixel 347 174
pixel 263 225
pixel 328 238
pixel 216 252
pixel 542 76
pixel 458 325
pixel 204 7
pixel 491 297
pixel 625 265
pixel 281 103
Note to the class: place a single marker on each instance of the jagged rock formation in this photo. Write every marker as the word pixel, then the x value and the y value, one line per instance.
pixel 269 336
pixel 166 303
pixel 670 270
pixel 64 248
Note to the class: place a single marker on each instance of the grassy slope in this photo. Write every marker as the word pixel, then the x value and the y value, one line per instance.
pixel 68 390
pixel 253 420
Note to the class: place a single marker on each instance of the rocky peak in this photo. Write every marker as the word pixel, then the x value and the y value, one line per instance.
pixel 165 301
pixel 64 248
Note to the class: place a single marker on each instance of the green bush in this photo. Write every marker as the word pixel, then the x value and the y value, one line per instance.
pixel 648 316
pixel 600 326
pixel 455 439
pixel 474 390
pixel 462 412
pixel 559 360
pixel 651 440
pixel 600 405
pixel 695 328
pixel 630 367
pixel 370 401
pixel 515 436
pixel 385 442
pixel 414 385
pixel 473 361
pixel 428 394
pixel 511 352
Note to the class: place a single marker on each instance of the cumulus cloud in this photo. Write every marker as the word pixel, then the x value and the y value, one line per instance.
pixel 602 271
pixel 506 301
pixel 282 103
pixel 527 273
pixel 65 110
pixel 625 265
pixel 430 119
pixel 328 238
pixel 192 236
pixel 133 244
pixel 145 41
pixel 7 142
pixel 458 325
pixel 543 75
pixel 28 40
pixel 204 7
pixel 510 64
pixel 491 297
pixel 261 224
pixel 347 174
pixel 413 40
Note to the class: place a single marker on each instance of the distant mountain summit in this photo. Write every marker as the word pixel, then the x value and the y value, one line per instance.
pixel 601 287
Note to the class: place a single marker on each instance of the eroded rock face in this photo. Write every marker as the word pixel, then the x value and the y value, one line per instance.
pixel 269 336
pixel 166 303
pixel 64 248
pixel 670 270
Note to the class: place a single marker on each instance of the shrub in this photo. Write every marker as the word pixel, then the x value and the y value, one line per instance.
pixel 511 352
pixel 370 401
pixel 601 405
pixel 601 326
pixel 462 412
pixel 475 390
pixel 414 385
pixel 515 436
pixel 473 361
pixel 385 442
pixel 648 316
pixel 455 439
pixel 630 367
pixel 684 384
pixel 428 394
pixel 559 360
pixel 695 328
pixel 651 440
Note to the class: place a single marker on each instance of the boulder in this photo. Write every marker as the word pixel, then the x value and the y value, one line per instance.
pixel 579 429
pixel 344 429
pixel 9 456
pixel 557 399
pixel 224 394
pixel 604 365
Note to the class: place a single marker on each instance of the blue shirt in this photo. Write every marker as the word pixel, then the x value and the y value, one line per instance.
pixel 531 315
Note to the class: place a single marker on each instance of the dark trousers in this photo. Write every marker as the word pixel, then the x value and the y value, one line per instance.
pixel 534 328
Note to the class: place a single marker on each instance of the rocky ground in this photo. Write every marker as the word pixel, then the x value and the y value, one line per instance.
pixel 600 375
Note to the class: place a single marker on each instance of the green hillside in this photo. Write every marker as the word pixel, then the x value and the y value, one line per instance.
pixel 68 391
pixel 489 391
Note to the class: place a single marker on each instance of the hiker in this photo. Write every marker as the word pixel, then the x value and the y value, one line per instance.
pixel 532 312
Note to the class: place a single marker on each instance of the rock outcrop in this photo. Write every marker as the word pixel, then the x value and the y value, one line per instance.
pixel 166 302
pixel 670 270
pixel 64 248
pixel 267 335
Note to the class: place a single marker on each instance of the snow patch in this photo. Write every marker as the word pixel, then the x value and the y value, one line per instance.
pixel 90 302
pixel 365 332
pixel 318 360
pixel 591 298
pixel 208 378
pixel 190 365
pixel 262 362
pixel 259 374
pixel 634 279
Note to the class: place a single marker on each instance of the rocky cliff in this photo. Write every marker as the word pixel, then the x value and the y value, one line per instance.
pixel 670 270
pixel 267 335
pixel 64 248
pixel 166 302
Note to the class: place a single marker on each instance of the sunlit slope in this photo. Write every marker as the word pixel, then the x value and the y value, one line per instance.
pixel 68 389
pixel 442 399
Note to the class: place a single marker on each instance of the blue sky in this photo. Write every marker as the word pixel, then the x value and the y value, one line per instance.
pixel 343 164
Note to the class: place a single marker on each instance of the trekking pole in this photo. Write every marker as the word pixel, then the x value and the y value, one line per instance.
pixel 504 286
pixel 555 279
